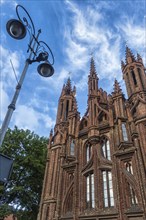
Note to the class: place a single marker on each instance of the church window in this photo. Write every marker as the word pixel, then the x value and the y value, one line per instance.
pixel 140 76
pixel 106 149
pixel 72 147
pixel 134 78
pixel 88 152
pixel 95 110
pixel 67 109
pixel 129 168
pixel 61 109
pixel 124 131
pixel 133 197
pixel 108 189
pixel 90 197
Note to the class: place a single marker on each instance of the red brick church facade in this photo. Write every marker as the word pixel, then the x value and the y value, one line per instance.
pixel 96 165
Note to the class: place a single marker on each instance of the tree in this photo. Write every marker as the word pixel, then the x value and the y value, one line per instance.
pixel 23 191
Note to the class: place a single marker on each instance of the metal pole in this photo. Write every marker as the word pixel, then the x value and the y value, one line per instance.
pixel 11 107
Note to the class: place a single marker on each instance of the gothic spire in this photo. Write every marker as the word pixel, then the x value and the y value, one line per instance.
pixel 92 79
pixel 117 89
pixel 129 55
pixel 92 68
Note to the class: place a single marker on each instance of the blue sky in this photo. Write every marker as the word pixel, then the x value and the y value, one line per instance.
pixel 74 29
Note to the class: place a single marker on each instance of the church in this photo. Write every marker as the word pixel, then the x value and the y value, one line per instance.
pixel 96 165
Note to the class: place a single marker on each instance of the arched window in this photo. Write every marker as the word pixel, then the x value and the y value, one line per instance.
pixel 72 147
pixel 61 112
pixel 134 78
pixel 90 197
pixel 95 110
pixel 88 152
pixel 129 168
pixel 106 149
pixel 133 197
pixel 67 109
pixel 108 189
pixel 124 131
pixel 140 76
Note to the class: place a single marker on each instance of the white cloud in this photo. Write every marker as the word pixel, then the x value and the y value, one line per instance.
pixel 134 34
pixel 87 35
pixel 11 3
pixel 34 120
pixel 77 54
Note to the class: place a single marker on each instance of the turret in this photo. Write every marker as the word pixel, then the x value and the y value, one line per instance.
pixel 67 102
pixel 133 73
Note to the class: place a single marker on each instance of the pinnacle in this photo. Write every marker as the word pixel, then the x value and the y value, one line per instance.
pixel 92 67
pixel 139 58
pixel 129 54
pixel 117 89
pixel 68 88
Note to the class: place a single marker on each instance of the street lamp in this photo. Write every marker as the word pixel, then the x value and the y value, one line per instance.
pixel 38 51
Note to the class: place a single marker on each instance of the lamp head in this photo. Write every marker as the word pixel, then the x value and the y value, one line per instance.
pixel 16 29
pixel 45 69
pixel 43 56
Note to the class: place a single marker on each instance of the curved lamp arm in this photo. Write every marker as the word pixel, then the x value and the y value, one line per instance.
pixel 24 19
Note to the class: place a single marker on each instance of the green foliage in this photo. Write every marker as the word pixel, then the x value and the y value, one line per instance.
pixel 23 191
pixel 5 210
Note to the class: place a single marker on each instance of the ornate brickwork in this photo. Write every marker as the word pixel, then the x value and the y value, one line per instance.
pixel 96 165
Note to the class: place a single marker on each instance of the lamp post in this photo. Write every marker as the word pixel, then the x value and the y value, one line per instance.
pixel 38 51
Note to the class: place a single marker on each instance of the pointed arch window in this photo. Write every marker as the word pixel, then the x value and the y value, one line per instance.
pixel 95 110
pixel 72 147
pixel 90 196
pixel 108 189
pixel 128 166
pixel 61 112
pixel 133 197
pixel 106 149
pixel 140 76
pixel 88 152
pixel 134 77
pixel 124 132
pixel 67 109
